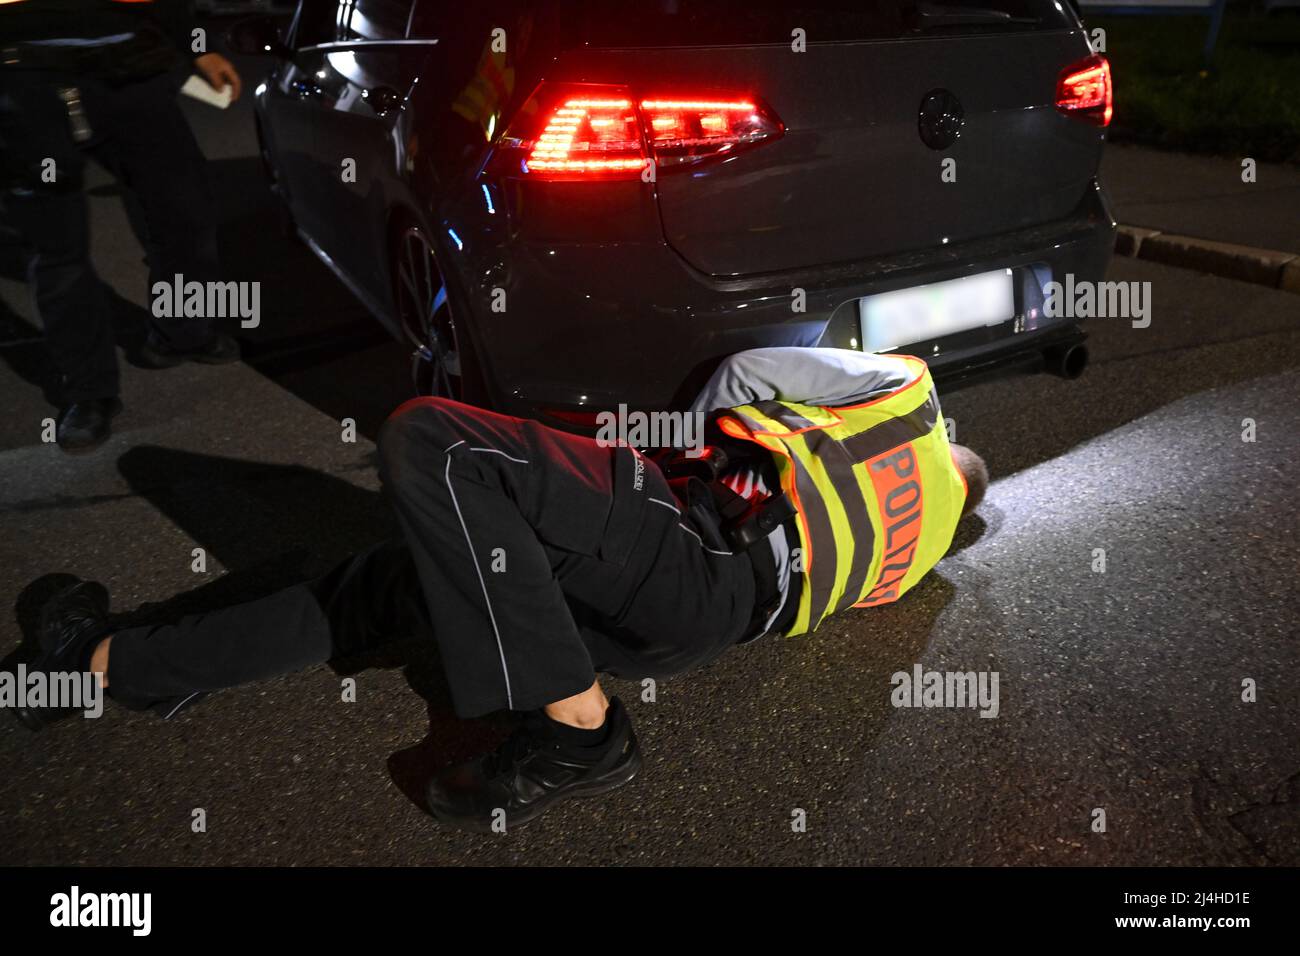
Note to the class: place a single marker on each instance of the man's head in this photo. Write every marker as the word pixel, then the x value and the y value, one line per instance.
pixel 976 474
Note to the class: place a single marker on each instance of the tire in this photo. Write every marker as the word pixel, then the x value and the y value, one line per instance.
pixel 442 360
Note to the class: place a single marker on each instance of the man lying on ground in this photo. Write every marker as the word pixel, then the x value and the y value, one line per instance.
pixel 536 559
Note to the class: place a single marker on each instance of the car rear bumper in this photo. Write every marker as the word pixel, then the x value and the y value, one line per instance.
pixel 591 325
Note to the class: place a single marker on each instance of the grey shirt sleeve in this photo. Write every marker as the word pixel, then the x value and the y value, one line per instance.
pixel 807 376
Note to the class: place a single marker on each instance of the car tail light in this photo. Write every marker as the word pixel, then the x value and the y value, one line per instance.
pixel 587 131
pixel 587 135
pixel 1084 90
pixel 684 130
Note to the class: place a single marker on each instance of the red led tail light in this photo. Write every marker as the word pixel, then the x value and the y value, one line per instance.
pixel 588 132
pixel 1084 90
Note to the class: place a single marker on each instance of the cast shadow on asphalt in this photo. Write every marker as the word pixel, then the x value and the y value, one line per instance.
pixel 243 514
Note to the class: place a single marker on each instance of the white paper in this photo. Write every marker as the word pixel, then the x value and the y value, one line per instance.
pixel 197 87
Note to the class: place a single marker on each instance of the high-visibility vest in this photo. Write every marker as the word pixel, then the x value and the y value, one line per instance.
pixel 875 487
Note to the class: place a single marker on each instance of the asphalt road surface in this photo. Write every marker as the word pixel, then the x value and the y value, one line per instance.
pixel 1119 690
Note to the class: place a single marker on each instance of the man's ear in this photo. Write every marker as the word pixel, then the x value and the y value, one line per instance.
pixel 974 471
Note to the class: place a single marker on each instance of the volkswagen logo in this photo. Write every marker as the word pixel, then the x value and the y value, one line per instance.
pixel 941 119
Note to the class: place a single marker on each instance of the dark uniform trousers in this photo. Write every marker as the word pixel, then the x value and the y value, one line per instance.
pixel 534 559
pixel 141 137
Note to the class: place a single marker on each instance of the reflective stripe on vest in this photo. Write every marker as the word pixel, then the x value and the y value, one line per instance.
pixel 877 493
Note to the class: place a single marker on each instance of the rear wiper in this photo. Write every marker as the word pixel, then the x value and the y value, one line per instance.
pixel 926 16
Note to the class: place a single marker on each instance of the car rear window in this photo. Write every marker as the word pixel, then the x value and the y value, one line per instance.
pixel 742 22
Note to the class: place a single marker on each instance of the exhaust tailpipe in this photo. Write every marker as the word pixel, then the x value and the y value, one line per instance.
pixel 1067 361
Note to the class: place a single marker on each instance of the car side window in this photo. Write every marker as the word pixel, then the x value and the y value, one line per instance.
pixel 374 19
pixel 318 22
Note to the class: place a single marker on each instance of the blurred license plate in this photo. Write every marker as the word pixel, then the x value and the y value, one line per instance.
pixel 927 312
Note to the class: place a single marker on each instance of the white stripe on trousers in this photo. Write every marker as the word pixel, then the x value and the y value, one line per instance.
pixel 505 671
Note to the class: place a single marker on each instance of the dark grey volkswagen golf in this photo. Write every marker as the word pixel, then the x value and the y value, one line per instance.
pixel 565 206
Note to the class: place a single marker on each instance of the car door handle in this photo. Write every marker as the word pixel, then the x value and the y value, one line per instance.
pixel 382 99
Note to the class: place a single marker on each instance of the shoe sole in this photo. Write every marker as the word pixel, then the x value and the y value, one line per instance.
pixel 615 778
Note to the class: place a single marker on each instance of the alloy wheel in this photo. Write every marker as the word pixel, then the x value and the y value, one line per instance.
pixel 426 317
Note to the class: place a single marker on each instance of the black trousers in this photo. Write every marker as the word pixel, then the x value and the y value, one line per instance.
pixel 141 137
pixel 533 557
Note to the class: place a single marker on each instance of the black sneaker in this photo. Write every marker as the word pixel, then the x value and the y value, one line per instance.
pixel 530 771
pixel 86 425
pixel 220 350
pixel 71 621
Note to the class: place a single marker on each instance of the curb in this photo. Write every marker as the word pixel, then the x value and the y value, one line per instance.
pixel 1278 270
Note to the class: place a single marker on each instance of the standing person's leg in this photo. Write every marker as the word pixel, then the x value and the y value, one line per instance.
pixel 363 602
pixel 43 199
pixel 68 294
pixel 151 150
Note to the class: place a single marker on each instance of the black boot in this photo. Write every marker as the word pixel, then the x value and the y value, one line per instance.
pixel 86 425
pixel 72 622
pixel 533 769
pixel 220 350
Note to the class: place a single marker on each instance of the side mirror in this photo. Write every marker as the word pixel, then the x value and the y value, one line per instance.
pixel 257 36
